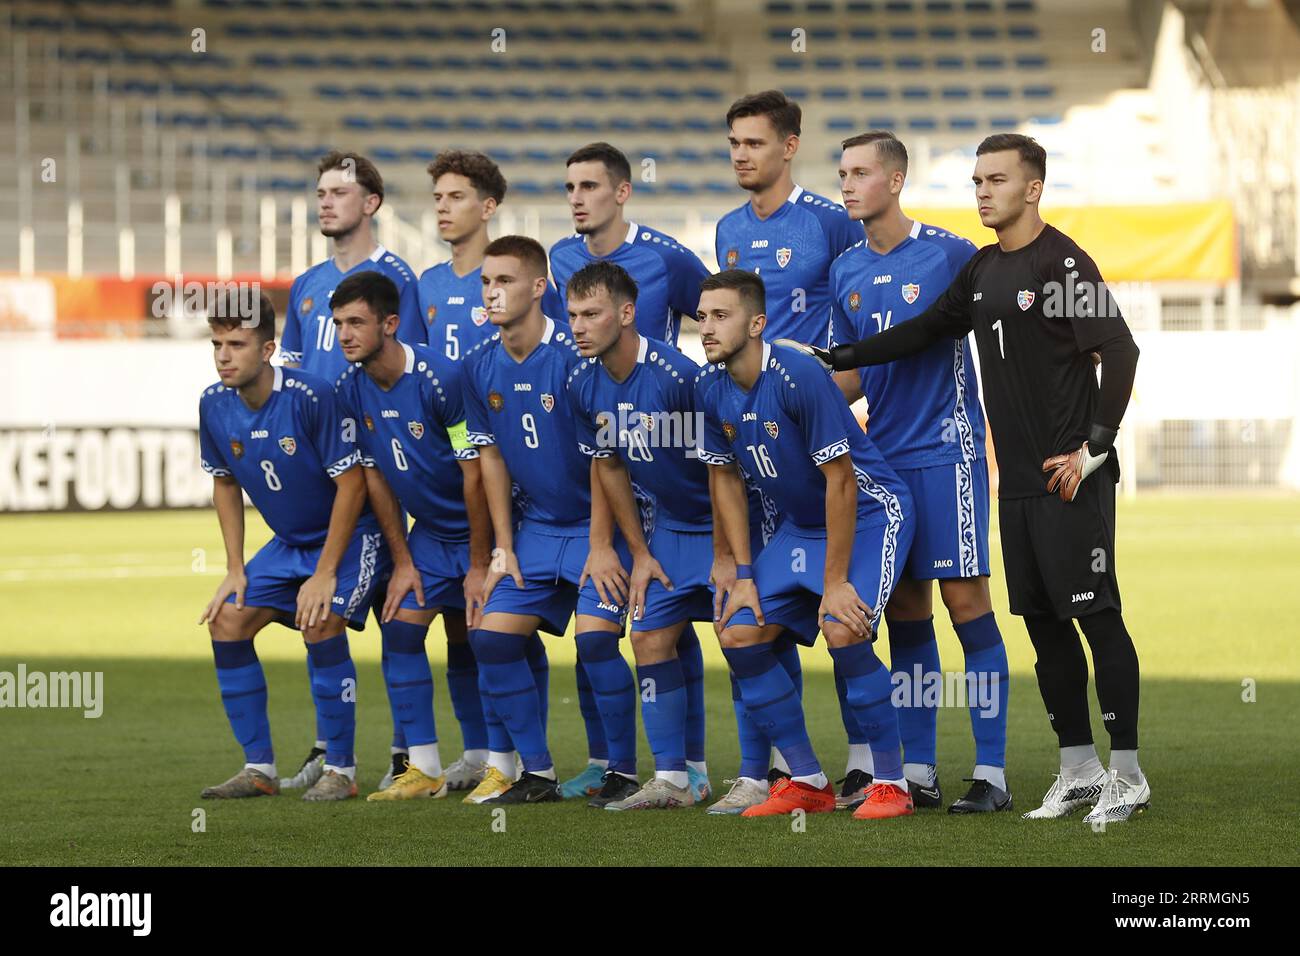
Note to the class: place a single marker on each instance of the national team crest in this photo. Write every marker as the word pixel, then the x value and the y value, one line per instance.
pixel 237 448
pixel 306 305
pixel 495 401
pixel 370 423
pixel 910 291
pixel 602 421
pixel 733 256
pixel 288 444
pixel 771 427
pixel 1024 299
pixel 478 314
pixel 416 429
pixel 548 401
pixel 647 421
pixel 783 257
pixel 431 312
pixel 729 430
pixel 855 300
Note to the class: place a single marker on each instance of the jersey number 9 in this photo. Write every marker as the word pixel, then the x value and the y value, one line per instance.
pixel 530 426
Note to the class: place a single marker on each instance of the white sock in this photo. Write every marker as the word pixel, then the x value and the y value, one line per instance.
pixel 502 762
pixel 860 759
pixel 602 764
pixel 475 756
pixel 548 773
pixel 319 745
pixel 677 778
pixel 921 773
pixel 349 772
pixel 627 776
pixel 761 783
pixel 424 758
pixel 1080 761
pixel 699 766
pixel 901 784
pixel 266 768
pixel 392 751
pixel 1126 763
pixel 778 761
pixel 994 775
pixel 817 780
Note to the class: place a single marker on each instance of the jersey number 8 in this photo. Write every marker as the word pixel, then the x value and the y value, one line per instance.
pixel 272 479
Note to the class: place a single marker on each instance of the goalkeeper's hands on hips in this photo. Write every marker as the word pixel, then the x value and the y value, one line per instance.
pixel 1068 471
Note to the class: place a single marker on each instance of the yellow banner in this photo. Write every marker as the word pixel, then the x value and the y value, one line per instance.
pixel 1180 242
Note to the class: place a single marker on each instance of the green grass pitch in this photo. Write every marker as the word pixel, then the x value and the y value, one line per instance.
pixel 1211 595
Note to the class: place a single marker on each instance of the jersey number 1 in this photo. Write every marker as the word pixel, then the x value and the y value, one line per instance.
pixel 997 327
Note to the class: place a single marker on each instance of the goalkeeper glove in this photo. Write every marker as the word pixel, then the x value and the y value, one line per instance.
pixel 821 355
pixel 1068 471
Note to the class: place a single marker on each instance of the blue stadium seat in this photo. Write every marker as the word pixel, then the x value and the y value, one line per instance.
pixel 471 123
pixel 915 93
pixel 437 123
pixel 942 34
pixel 962 122
pixel 1031 62
pixel 990 63
pixel 955 93
pixel 367 92
pixel 1003 122
pixel 911 64
pixel 900 6
pixel 396 122
pixel 904 33
pixel 869 34
pixel 700 124
pixel 875 93
pixel 982 34
pixel 881 122
pixel 1022 32
pixel 1038 92
pixel 835 92
pixel 841 124
pixel 404 92
pixel 510 124
pixel 358 122
pixel 996 92
pixel 385 155
pixel 584 124
pixel 829 63
pixel 856 7
pixel 869 63
pixel 788 63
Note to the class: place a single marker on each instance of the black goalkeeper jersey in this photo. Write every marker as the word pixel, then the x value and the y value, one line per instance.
pixel 1038 314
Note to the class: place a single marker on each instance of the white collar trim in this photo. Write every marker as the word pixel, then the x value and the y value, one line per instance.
pixel 916 229
pixel 795 194
pixel 279 378
pixel 410 357
pixel 631 232
pixel 767 355
pixel 642 349
pixel 379 253
pixel 550 329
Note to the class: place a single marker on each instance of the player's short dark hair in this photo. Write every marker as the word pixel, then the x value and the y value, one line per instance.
pixel 610 276
pixel 226 311
pixel 784 113
pixel 367 174
pixel 526 250
pixel 889 147
pixel 611 157
pixel 373 288
pixel 483 174
pixel 1031 153
pixel 747 285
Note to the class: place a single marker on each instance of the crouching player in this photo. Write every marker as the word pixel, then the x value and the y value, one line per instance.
pixel 280 435
pixel 410 422
pixel 634 410
pixel 773 413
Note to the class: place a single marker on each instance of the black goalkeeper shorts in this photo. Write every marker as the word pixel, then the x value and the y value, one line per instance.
pixel 1060 556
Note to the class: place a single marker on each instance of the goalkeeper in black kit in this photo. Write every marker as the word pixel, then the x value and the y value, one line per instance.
pixel 1042 315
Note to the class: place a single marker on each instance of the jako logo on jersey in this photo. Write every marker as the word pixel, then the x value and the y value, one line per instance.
pixel 416 429
pixel 855 300
pixel 432 311
pixel 495 401
pixel 758 244
pixel 370 422
pixel 548 401
pixel 288 444
pixel 1024 299
pixel 389 413
pixel 910 291
pixel 881 280
pixel 478 314
pixel 749 416
pixel 259 433
pixel 237 448
pixel 732 258
pixel 455 300
pixel 783 257
pixel 1085 596
pixel 523 386
pixel 771 428
pixel 306 305
pixel 729 430
pixel 943 564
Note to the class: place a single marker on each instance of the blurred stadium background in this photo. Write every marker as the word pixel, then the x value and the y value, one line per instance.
pixel 177 138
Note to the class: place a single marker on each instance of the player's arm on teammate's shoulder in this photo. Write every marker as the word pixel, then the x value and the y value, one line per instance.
pixel 228 498
pixel 839 598
pixel 1100 333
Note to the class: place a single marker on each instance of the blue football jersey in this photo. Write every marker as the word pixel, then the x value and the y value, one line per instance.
pixel 667 277
pixel 452 313
pixel 792 421
pixel 415 433
pixel 308 336
pixel 650 420
pixel 792 251
pixel 925 409
pixel 521 407
pixel 285 454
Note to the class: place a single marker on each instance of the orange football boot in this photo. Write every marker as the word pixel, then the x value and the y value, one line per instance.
pixel 787 796
pixel 884 800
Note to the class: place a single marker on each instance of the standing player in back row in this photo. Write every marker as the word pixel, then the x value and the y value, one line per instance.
pixel 349 191
pixel 927 421
pixel 786 234
pixel 1040 310
pixel 468 189
pixel 598 183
